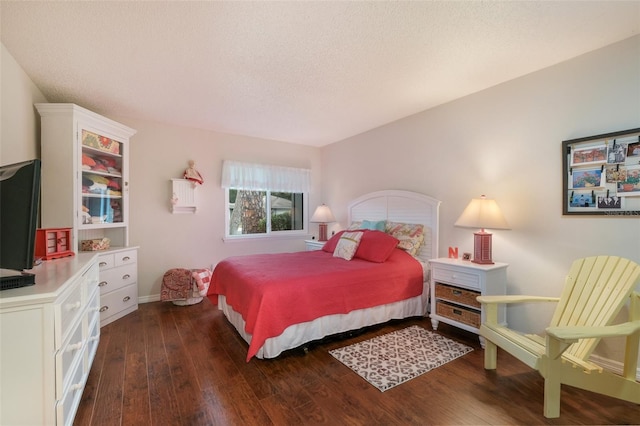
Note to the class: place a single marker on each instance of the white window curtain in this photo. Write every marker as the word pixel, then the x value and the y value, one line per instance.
pixel 263 177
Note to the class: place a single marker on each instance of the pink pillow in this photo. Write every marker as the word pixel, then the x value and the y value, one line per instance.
pixel 330 245
pixel 376 246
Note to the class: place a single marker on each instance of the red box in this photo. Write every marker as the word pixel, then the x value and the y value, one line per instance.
pixel 53 243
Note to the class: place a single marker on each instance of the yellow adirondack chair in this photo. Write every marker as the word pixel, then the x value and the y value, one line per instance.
pixel 595 290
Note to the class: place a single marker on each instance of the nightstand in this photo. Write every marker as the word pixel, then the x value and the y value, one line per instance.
pixel 314 244
pixel 455 284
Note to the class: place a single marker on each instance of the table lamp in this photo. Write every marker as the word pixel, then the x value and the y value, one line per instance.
pixel 322 216
pixel 482 213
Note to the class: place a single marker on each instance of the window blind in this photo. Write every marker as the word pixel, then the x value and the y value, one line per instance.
pixel 264 177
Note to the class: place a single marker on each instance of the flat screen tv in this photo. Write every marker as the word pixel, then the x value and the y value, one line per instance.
pixel 19 202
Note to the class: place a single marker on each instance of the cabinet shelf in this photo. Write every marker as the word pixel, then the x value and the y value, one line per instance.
pixel 102 173
pixel 96 151
pixel 93 195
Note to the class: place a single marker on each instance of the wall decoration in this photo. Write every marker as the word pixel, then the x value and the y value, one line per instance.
pixel 601 174
pixel 586 178
pixel 589 156
pixel 630 185
pixel 633 150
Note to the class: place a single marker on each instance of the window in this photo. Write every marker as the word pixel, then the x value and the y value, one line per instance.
pixel 264 200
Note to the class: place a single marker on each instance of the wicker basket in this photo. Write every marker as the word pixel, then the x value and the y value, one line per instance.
pixel 458 313
pixel 457 295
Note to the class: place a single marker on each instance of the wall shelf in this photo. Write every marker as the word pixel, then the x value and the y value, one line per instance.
pixel 183 199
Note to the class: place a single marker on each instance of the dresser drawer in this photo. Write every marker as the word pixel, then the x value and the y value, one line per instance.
pixel 93 307
pixel 118 277
pixel 106 261
pixel 458 313
pixel 68 356
pixel 68 311
pixel 117 301
pixel 66 407
pixel 456 277
pixel 126 257
pixel 92 344
pixel 457 295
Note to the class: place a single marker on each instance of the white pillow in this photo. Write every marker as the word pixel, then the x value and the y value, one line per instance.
pixel 347 245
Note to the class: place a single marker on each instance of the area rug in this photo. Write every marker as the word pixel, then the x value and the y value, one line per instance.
pixel 391 359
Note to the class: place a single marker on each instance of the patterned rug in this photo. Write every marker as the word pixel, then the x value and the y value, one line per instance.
pixel 394 358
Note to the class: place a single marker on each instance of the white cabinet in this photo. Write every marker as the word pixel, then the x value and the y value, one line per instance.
pixel 118 284
pixel 49 337
pixel 85 187
pixel 455 284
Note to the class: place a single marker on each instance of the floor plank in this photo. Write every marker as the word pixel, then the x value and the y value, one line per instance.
pixel 172 365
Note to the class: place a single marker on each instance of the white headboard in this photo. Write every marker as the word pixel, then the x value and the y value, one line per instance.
pixel 401 206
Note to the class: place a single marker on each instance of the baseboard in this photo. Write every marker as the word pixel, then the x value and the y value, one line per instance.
pixel 148 299
pixel 611 365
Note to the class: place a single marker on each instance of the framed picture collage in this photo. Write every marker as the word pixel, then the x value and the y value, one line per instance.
pixel 601 174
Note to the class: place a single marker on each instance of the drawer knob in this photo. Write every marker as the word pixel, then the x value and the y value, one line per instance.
pixel 74 347
pixel 101 264
pixel 126 259
pixel 126 299
pixel 104 308
pixel 126 276
pixel 102 284
pixel 456 292
pixel 73 306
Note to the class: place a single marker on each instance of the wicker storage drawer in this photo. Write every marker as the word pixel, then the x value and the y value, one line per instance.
pixel 458 313
pixel 457 295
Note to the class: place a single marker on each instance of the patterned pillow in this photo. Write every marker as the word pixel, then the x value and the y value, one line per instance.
pixel 409 235
pixel 354 225
pixel 347 245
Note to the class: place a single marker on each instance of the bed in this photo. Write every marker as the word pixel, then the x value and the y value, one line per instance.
pixel 322 295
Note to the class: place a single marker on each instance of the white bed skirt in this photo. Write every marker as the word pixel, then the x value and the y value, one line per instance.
pixel 299 334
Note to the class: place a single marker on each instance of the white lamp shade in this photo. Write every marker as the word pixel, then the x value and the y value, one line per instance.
pixel 322 215
pixel 482 213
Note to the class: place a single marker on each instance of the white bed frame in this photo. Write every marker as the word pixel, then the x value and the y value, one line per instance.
pixel 391 205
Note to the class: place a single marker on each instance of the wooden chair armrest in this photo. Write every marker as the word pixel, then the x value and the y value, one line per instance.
pixel 572 333
pixel 515 299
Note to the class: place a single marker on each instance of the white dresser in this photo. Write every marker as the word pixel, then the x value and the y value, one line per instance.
pixel 118 283
pixel 49 336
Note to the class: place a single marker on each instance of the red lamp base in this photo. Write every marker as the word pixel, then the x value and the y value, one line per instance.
pixel 482 248
pixel 322 231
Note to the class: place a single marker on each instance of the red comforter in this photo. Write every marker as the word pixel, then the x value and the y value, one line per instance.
pixel 274 291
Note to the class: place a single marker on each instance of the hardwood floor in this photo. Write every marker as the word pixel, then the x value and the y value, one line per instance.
pixel 171 365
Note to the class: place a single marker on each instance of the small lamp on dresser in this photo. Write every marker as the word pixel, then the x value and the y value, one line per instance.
pixel 482 213
pixel 322 216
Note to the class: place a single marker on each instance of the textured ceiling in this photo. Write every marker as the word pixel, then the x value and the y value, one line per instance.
pixel 303 72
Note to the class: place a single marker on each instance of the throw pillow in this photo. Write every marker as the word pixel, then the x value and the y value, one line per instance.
pixel 347 245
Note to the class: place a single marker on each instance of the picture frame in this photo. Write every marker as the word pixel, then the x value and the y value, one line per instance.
pixel 617 153
pixel 633 149
pixel 586 178
pixel 630 186
pixel 590 155
pixel 601 175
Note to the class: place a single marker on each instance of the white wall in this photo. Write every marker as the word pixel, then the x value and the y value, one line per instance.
pixel 160 152
pixel 505 142
pixel 19 123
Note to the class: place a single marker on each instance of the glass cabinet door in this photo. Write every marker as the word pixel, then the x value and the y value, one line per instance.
pixel 102 181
